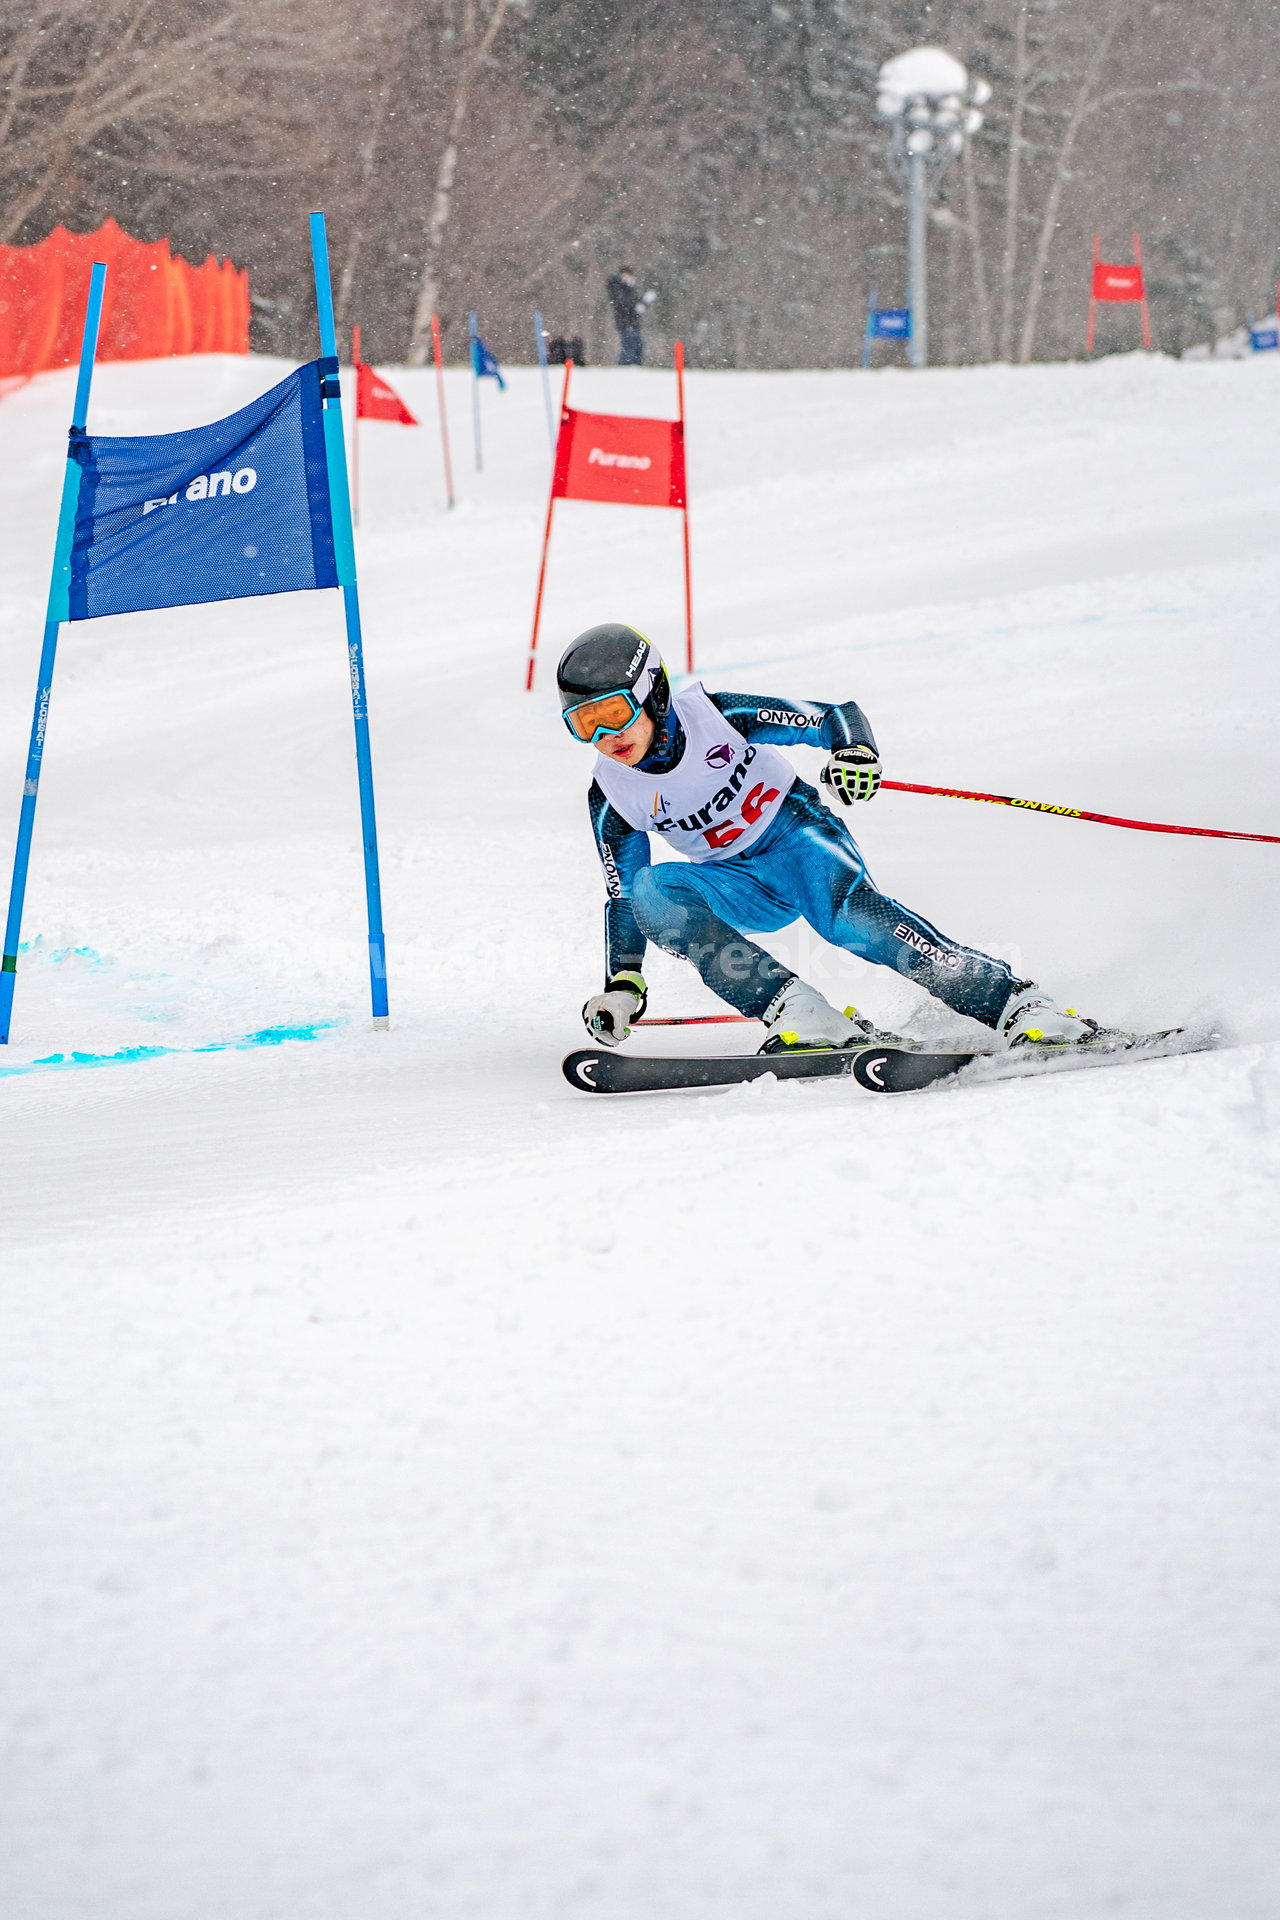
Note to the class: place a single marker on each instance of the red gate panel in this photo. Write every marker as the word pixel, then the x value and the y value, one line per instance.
pixel 624 462
pixel 1117 280
pixel 608 456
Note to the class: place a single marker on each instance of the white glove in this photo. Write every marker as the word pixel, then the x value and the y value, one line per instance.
pixel 650 295
pixel 608 1015
pixel 852 773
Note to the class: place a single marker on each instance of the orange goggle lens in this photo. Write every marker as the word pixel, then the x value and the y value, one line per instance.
pixel 611 713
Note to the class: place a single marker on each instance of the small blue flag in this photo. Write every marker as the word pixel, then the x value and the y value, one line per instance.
pixel 222 512
pixel 1265 339
pixel 889 323
pixel 483 363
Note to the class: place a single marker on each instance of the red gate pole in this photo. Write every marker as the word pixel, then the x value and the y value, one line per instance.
pixel 688 574
pixel 355 430
pixel 444 417
pixel 546 536
pixel 1146 317
pixel 1093 280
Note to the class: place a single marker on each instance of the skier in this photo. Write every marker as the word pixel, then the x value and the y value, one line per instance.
pixel 702 772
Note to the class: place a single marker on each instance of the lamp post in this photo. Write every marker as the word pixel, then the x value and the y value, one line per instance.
pixel 931 106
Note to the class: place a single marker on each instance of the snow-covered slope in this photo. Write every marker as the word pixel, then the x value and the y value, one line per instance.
pixel 434 1493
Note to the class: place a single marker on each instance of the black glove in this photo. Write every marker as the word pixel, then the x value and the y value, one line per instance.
pixel 608 1015
pixel 852 773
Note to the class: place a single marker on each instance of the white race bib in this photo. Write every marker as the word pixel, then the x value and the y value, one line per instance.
pixel 719 798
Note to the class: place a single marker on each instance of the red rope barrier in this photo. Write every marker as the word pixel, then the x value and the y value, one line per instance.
pixel 1078 813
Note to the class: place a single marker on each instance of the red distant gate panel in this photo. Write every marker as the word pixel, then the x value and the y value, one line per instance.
pixel 1116 280
pixel 1120 282
pixel 610 457
pixel 155 305
pixel 623 462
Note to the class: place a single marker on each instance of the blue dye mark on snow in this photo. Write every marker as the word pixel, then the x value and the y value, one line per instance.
pixel 88 956
pixel 265 1037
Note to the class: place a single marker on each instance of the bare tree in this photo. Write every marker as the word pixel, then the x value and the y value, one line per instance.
pixel 1084 103
pixel 462 52
pixel 387 51
pixel 148 79
pixel 973 226
pixel 1013 181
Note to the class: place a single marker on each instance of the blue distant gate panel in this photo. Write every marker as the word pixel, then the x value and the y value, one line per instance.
pixel 1265 339
pixel 889 323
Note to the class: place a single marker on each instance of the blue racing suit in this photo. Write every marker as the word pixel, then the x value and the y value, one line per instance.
pixel 805 866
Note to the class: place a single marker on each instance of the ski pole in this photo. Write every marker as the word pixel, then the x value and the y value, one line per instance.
pixel 1078 813
pixel 697 1020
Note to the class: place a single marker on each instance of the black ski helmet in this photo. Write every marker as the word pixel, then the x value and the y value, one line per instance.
pixel 605 659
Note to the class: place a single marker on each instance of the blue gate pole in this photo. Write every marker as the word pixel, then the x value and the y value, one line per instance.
pixel 867 337
pixel 345 554
pixel 540 334
pixel 474 332
pixel 55 614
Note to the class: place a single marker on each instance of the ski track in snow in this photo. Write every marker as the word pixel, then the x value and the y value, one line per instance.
pixel 431 1492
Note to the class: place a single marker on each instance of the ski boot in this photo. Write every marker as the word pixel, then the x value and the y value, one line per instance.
pixel 1031 1019
pixel 799 1020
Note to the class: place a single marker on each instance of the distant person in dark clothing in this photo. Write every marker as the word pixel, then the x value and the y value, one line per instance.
pixel 629 308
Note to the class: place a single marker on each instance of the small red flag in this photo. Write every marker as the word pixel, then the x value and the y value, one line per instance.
pixel 375 400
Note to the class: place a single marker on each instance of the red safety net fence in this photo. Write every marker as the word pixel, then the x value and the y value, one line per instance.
pixel 156 304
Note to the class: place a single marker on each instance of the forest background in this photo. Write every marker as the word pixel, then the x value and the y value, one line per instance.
pixel 508 154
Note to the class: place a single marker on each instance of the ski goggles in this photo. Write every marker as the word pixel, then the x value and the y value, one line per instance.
pixel 603 713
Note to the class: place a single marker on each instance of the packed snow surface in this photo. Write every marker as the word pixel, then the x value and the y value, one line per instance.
pixel 431 1492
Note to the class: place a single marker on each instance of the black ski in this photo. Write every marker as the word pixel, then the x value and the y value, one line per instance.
pixel 883 1069
pixel 896 1070
pixel 610 1072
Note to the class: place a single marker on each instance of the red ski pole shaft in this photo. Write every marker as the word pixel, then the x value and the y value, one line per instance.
pixel 1078 813
pixel 697 1020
